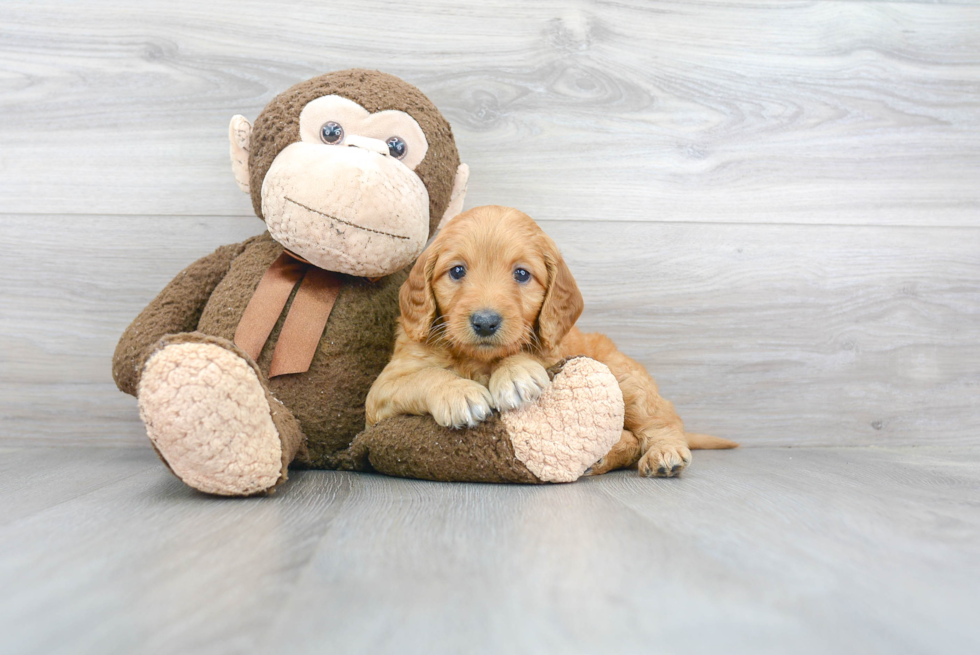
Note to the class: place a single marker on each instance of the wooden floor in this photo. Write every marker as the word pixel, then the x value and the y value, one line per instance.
pixel 832 550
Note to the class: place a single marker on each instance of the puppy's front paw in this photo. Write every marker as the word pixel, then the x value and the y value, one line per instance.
pixel 664 461
pixel 515 383
pixel 463 403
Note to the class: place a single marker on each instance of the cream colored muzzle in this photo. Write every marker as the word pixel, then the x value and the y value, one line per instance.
pixel 348 208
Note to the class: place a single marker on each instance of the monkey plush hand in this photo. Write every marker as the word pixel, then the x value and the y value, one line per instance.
pixel 559 437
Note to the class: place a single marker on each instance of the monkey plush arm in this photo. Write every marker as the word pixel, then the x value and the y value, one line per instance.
pixel 573 424
pixel 175 309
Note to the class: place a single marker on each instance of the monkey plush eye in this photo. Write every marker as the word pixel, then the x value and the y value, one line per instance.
pixel 457 272
pixel 521 275
pixel 331 133
pixel 397 147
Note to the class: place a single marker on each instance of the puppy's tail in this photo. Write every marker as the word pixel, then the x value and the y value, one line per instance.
pixel 697 441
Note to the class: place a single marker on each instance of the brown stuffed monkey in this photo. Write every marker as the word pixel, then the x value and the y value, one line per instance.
pixel 260 355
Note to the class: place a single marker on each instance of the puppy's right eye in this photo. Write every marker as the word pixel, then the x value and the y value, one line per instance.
pixel 457 272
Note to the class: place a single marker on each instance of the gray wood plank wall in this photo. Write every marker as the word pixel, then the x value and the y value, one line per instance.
pixel 775 206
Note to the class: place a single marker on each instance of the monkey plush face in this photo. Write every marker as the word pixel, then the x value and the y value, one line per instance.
pixel 345 196
pixel 352 171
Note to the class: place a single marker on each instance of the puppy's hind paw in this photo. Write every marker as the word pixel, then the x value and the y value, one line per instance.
pixel 664 461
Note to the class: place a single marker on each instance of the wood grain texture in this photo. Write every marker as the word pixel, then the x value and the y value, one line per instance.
pixel 864 551
pixel 788 191
pixel 805 112
pixel 767 334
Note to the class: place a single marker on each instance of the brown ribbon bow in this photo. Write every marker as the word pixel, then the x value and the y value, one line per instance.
pixel 305 321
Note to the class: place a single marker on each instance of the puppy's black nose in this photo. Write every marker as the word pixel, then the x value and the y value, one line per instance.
pixel 485 322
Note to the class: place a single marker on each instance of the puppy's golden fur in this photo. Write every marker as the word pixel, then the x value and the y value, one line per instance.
pixel 496 261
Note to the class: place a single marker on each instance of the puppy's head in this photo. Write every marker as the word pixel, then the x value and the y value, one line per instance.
pixel 489 285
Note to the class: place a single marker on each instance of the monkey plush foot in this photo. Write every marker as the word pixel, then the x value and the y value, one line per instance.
pixel 576 421
pixel 210 418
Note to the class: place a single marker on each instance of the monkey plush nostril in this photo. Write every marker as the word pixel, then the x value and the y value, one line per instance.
pixel 486 322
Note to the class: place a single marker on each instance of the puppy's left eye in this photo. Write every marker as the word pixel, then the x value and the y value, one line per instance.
pixel 457 272
pixel 521 275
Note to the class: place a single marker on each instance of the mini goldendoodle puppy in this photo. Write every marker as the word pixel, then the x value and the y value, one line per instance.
pixel 488 306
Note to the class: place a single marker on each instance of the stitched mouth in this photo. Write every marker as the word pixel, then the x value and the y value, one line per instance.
pixel 340 220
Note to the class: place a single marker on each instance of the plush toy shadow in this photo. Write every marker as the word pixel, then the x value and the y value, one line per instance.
pixel 259 356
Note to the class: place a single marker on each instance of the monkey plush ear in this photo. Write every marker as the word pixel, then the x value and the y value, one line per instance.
pixel 416 299
pixel 562 304
pixel 239 134
pixel 457 197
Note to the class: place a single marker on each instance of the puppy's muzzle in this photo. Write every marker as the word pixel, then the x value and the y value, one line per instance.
pixel 485 323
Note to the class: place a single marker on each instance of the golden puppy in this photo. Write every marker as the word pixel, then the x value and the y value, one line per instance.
pixel 487 307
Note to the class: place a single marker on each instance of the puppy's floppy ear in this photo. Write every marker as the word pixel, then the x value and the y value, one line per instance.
pixel 562 300
pixel 416 299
